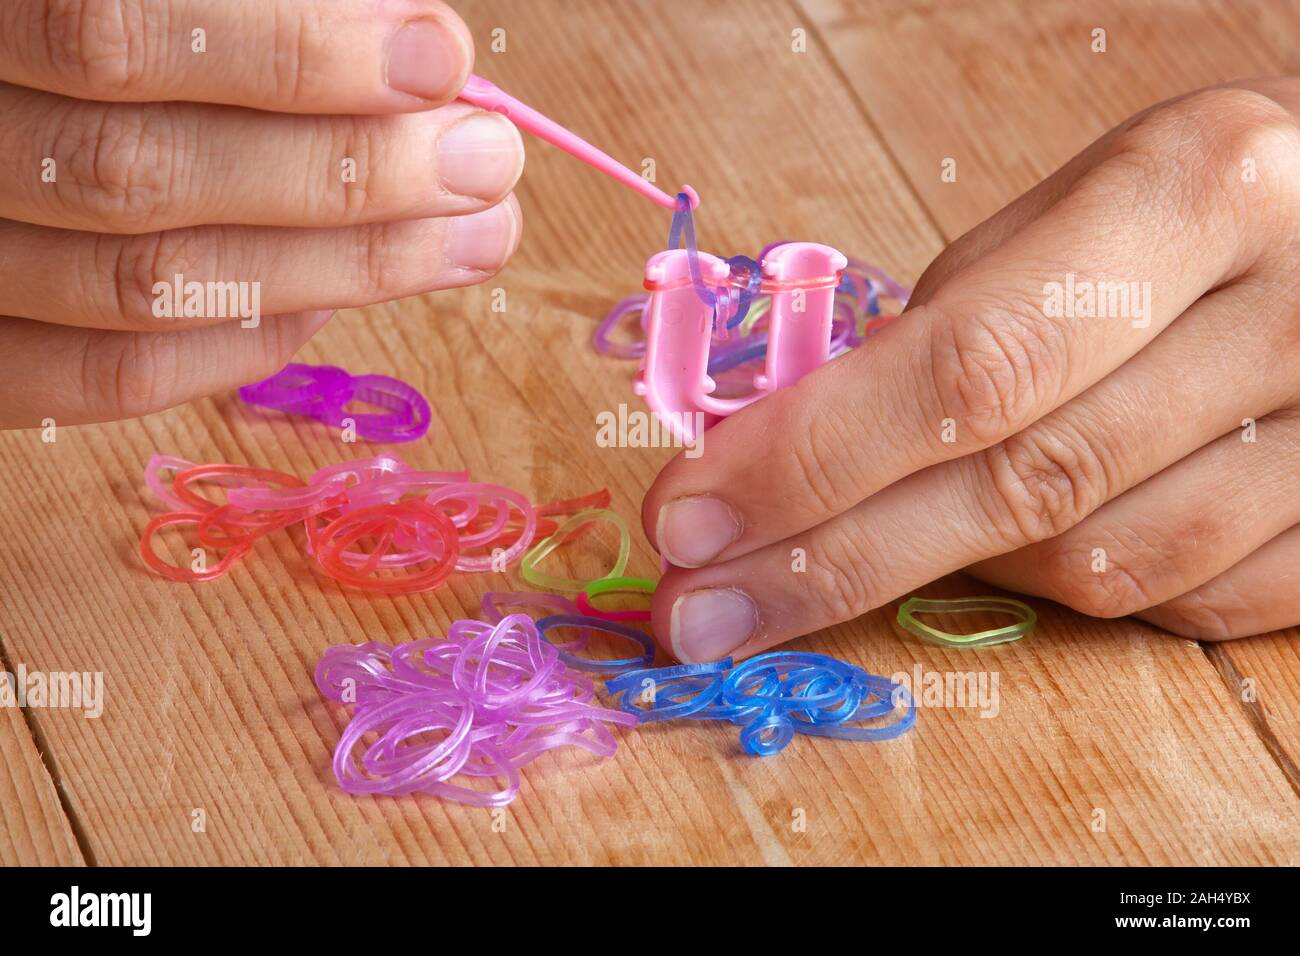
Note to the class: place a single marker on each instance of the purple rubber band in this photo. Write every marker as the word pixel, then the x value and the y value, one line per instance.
pixel 483 702
pixel 324 392
pixel 600 339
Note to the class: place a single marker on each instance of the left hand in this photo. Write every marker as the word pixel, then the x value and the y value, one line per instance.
pixel 1098 461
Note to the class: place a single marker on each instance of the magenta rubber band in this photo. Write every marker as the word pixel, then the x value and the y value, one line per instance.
pixel 324 392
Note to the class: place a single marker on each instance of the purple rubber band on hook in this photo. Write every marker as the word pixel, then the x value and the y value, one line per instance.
pixel 730 306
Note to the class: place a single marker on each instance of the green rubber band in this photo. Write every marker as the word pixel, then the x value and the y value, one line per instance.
pixel 756 312
pixel 971 605
pixel 761 307
pixel 539 551
pixel 606 585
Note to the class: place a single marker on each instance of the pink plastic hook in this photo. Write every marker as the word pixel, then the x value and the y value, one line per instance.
pixel 488 96
pixel 801 278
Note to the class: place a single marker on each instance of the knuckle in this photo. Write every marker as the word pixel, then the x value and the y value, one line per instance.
pixel 386 272
pixel 844 585
pixel 1044 483
pixel 1215 133
pixel 141 262
pixel 992 365
pixel 90 42
pixel 292 48
pixel 121 163
pixel 362 140
pixel 300 65
pixel 1133 574
pixel 127 375
pixel 820 458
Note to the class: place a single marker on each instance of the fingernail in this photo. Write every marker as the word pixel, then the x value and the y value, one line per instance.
pixel 425 59
pixel 481 155
pixel 710 623
pixel 693 531
pixel 482 241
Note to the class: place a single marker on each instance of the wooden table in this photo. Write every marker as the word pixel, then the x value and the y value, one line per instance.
pixel 1113 742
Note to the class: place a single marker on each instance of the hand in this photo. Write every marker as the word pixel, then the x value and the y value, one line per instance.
pixel 1146 462
pixel 333 176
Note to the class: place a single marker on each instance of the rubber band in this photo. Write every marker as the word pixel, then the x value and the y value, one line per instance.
pixel 595 589
pixel 355 472
pixel 772 696
pixel 153 480
pixel 597 499
pixel 324 392
pixel 375 524
pixel 297 388
pixel 498 493
pixel 492 602
pixel 481 703
pixel 406 417
pixel 171 571
pixel 380 522
pixel 226 474
pixel 600 339
pixel 744 298
pixel 528 567
pixel 1026 615
pixel 700 684
pixel 610 627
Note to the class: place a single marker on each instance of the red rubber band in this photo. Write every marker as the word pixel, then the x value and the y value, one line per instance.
pixel 159 566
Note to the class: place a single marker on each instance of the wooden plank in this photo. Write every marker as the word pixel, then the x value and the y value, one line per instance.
pixel 34 830
pixel 211 704
pixel 1014 90
pixel 1011 90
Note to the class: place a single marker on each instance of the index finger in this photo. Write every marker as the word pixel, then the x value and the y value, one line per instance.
pixel 987 355
pixel 299 56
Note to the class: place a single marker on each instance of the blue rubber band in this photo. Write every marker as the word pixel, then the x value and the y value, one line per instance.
pixel 772 697
pixel 599 624
pixel 767 735
pixel 701 684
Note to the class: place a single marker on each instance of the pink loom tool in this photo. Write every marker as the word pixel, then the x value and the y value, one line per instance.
pixel 488 96
pixel 801 278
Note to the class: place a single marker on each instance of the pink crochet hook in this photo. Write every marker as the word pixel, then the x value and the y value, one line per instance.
pixel 488 96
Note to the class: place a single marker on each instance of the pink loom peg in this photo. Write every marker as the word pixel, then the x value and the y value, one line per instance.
pixel 801 278
pixel 799 327
pixel 488 96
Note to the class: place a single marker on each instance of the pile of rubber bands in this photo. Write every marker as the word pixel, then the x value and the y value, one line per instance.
pixel 375 524
pixel 324 392
pixel 772 697
pixel 739 343
pixel 482 702
pixel 496 694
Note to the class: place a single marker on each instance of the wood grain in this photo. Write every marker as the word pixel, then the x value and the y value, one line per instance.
pixel 1011 90
pixel 34 830
pixel 1110 743
pixel 1014 90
